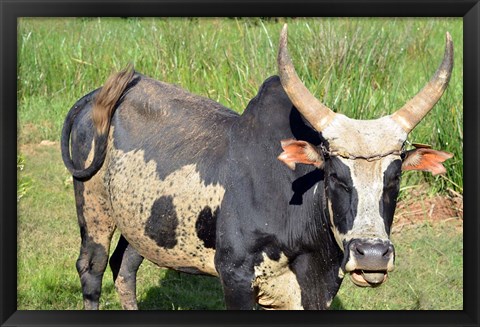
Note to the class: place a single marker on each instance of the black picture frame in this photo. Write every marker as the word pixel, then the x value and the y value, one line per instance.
pixel 11 10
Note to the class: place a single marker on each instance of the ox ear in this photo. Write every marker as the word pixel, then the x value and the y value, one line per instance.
pixel 426 159
pixel 299 152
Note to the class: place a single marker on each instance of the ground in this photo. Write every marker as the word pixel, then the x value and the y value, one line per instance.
pixel 438 208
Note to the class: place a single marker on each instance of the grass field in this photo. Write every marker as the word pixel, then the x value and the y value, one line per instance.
pixel 364 68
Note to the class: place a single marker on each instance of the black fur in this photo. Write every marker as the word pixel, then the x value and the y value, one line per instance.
pixel 206 226
pixel 163 222
pixel 91 266
pixel 342 194
pixel 391 187
pixel 78 171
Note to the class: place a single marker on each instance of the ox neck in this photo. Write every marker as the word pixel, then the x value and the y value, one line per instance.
pixel 269 118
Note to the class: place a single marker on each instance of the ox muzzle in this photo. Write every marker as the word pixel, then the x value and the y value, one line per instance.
pixel 369 261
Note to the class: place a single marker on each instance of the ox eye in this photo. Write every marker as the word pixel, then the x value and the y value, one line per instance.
pixel 338 182
pixel 397 178
pixel 394 181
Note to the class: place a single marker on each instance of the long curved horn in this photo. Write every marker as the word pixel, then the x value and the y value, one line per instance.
pixel 312 109
pixel 416 108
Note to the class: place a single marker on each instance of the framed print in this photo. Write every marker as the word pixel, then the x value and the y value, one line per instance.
pixel 205 138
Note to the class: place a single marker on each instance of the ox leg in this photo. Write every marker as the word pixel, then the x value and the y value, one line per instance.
pixel 124 263
pixel 238 293
pixel 96 230
pixel 236 276
pixel 91 266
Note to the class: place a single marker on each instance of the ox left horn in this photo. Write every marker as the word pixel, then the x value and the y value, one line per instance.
pixel 315 112
pixel 418 107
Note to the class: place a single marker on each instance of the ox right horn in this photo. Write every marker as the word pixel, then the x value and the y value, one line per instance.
pixel 315 112
pixel 414 110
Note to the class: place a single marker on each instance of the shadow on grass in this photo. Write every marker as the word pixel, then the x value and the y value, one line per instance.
pixel 337 304
pixel 181 291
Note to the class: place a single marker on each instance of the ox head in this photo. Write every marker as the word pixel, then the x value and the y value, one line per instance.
pixel 362 162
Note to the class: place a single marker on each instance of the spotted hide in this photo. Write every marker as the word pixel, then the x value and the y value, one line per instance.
pixel 280 202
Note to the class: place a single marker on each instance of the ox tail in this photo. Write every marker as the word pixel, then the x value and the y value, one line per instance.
pixel 103 108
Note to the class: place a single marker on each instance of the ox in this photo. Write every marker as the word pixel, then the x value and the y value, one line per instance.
pixel 279 202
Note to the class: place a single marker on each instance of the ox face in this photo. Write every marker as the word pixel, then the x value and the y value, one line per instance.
pixel 361 198
pixel 362 162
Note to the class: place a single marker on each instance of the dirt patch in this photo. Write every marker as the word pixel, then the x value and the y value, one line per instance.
pixel 26 131
pixel 32 148
pixel 48 143
pixel 419 208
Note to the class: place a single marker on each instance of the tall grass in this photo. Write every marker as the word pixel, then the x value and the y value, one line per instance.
pixel 364 68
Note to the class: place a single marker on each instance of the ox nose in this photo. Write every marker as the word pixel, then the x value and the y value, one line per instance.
pixel 370 261
pixel 372 255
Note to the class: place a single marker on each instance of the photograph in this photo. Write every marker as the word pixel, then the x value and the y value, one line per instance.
pixel 238 163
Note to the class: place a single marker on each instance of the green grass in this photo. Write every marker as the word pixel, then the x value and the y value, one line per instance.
pixel 364 68
pixel 428 274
